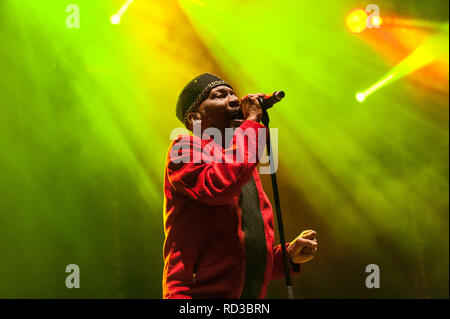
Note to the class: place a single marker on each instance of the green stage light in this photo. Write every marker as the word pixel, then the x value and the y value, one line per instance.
pixel 360 97
pixel 115 19
pixel 434 48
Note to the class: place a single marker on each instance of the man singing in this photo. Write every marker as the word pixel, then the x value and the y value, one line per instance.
pixel 218 222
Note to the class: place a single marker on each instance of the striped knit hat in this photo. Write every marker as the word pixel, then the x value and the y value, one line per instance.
pixel 195 92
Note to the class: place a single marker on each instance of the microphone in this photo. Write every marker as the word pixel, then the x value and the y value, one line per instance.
pixel 269 100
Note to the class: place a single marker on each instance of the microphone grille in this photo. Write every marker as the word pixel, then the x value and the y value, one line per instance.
pixel 279 95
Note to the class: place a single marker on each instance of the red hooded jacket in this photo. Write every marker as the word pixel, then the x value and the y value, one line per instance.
pixel 204 251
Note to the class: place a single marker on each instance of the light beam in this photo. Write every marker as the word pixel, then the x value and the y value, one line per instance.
pixel 115 19
pixel 434 48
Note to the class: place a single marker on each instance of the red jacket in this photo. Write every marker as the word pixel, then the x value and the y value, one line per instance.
pixel 204 251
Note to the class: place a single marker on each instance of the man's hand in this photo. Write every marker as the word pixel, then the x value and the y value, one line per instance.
pixel 251 108
pixel 303 248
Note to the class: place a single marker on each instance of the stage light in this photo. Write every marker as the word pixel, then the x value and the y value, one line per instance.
pixel 431 50
pixel 115 19
pixel 357 21
pixel 360 97
pixel 376 21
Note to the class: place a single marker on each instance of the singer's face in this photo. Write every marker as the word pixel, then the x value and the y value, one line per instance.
pixel 221 109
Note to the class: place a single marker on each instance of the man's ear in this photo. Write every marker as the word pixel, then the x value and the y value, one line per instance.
pixel 190 118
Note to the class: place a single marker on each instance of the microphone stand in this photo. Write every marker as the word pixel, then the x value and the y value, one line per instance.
pixel 289 287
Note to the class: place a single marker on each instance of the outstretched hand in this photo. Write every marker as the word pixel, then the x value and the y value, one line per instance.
pixel 303 248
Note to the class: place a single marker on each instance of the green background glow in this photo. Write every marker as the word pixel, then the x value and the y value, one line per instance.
pixel 86 116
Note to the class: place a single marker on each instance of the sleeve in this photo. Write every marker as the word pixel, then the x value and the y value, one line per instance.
pixel 214 180
pixel 278 266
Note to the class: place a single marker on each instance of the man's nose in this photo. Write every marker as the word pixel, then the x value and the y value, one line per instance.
pixel 234 102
